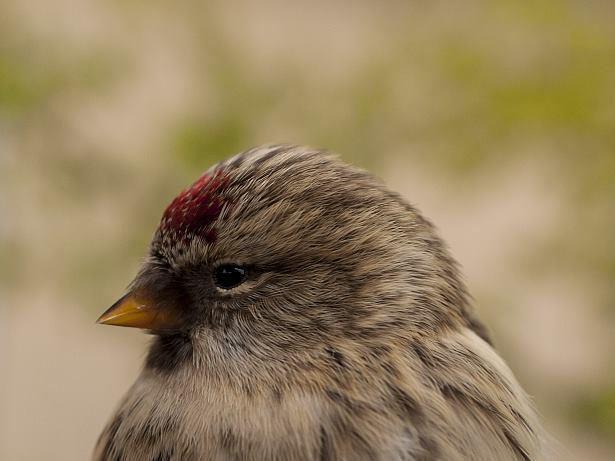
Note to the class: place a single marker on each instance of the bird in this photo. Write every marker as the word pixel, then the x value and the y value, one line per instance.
pixel 301 310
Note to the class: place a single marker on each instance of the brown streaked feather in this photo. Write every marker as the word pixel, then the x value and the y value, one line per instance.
pixel 356 339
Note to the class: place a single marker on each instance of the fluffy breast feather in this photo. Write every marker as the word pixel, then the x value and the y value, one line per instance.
pixel 450 398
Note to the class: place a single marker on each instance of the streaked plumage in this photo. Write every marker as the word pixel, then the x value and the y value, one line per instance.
pixel 351 339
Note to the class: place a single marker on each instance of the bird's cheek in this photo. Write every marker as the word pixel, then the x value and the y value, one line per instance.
pixel 138 310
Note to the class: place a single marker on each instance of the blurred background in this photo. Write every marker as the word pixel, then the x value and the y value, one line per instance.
pixel 495 118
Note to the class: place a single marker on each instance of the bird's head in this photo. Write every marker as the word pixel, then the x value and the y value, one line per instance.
pixel 283 249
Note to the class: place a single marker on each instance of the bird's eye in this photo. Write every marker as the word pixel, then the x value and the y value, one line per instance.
pixel 229 276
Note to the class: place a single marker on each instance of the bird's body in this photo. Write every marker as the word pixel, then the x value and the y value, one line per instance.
pixel 345 335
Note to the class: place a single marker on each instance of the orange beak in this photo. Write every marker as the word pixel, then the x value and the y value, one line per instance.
pixel 134 310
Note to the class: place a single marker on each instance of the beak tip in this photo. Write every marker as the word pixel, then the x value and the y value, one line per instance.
pixel 106 316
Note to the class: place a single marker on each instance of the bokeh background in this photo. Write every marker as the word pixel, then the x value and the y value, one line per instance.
pixel 496 118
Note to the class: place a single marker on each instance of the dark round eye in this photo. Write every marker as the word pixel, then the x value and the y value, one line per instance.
pixel 229 276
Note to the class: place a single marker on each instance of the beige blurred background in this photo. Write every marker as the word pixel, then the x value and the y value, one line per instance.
pixel 496 118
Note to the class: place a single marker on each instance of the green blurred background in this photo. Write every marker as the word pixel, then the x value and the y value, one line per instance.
pixel 495 118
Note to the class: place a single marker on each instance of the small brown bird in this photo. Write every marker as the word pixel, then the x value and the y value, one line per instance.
pixel 302 311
